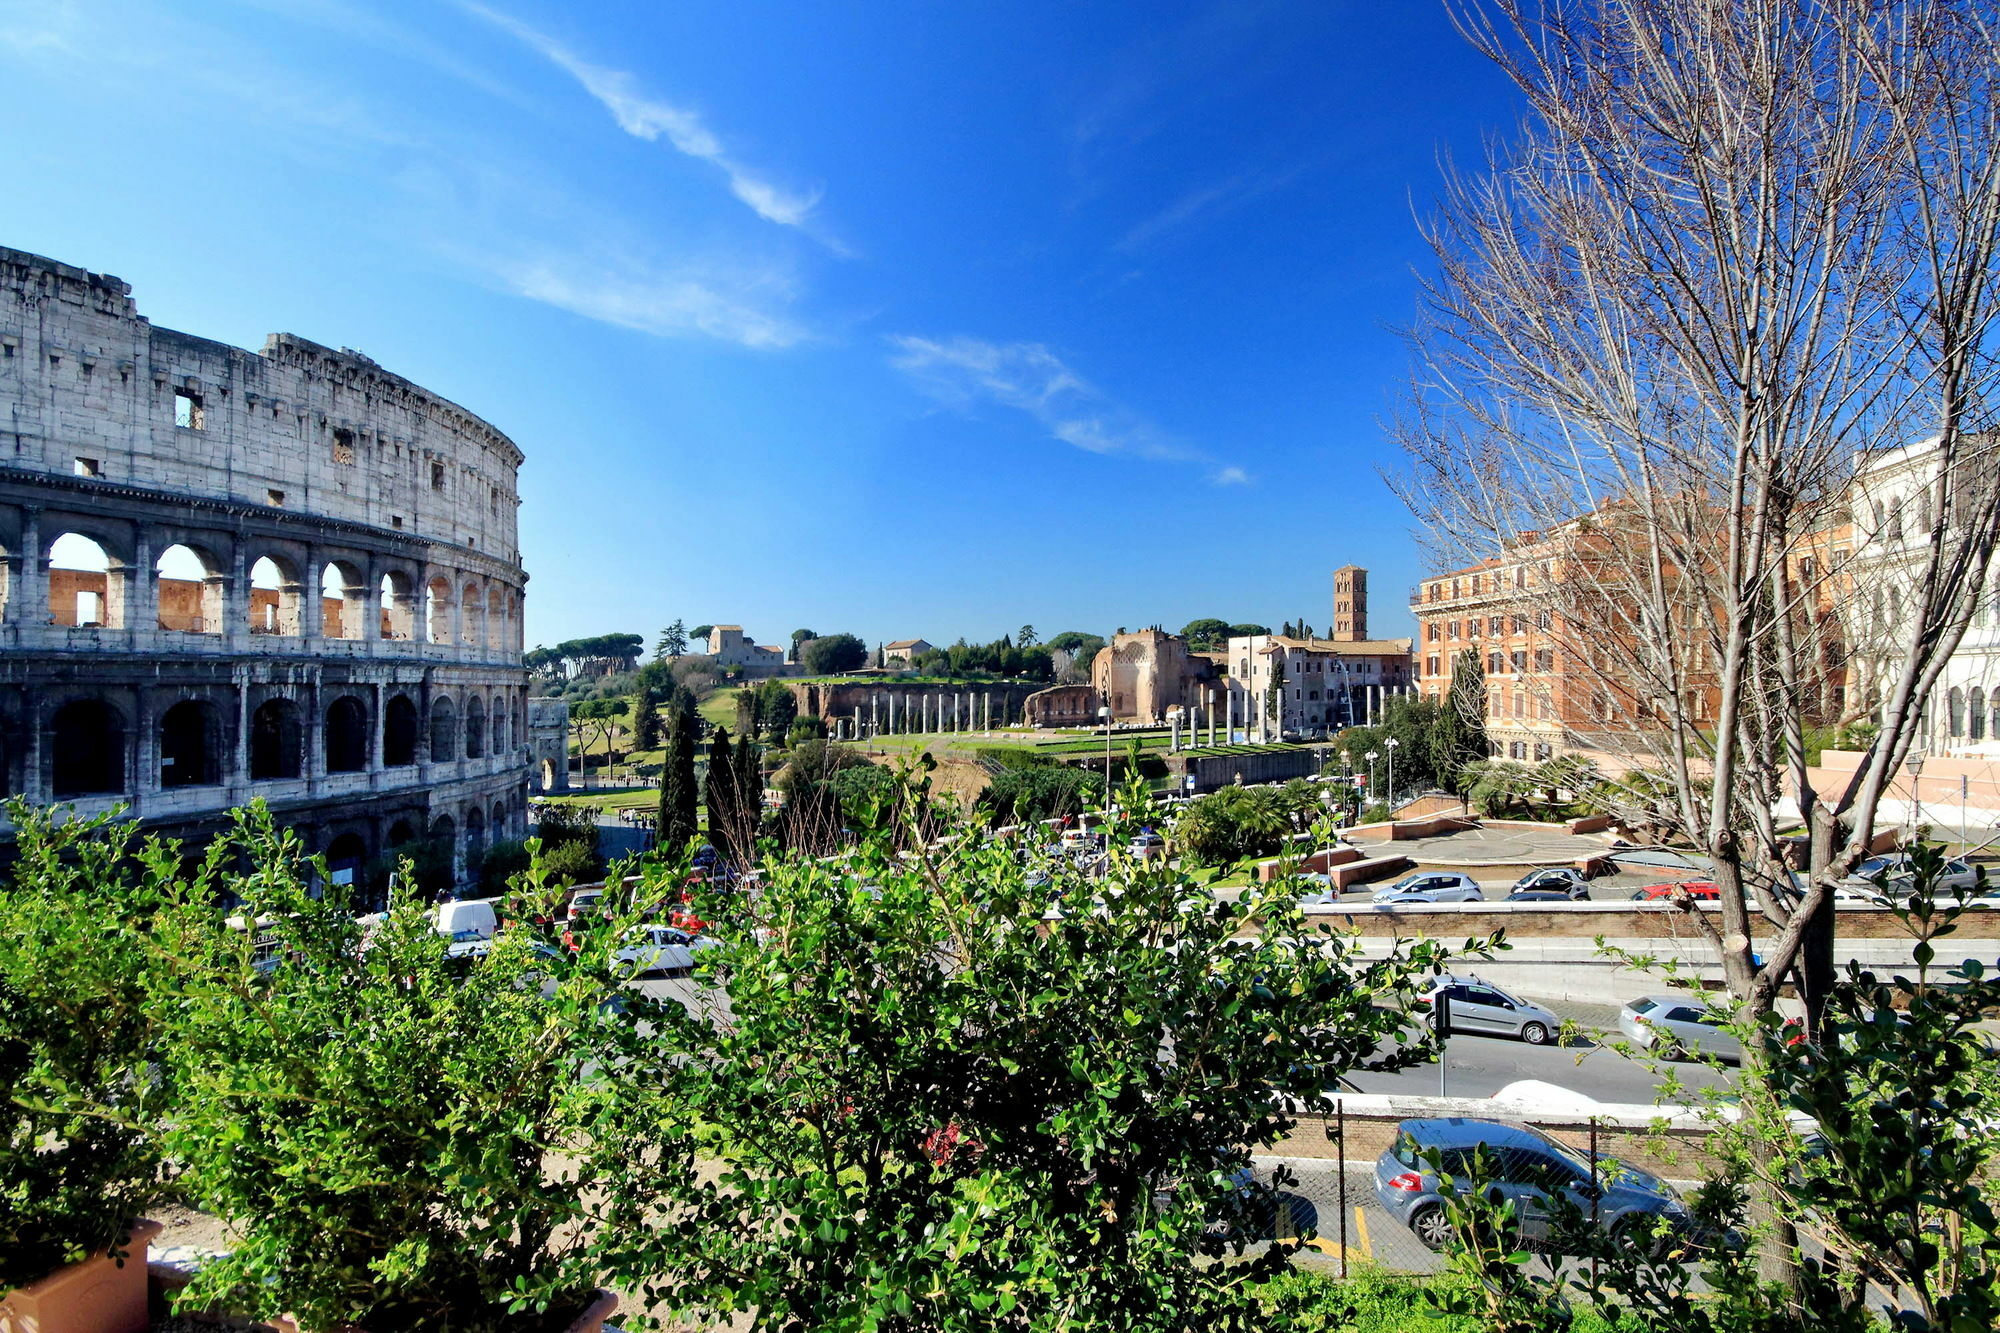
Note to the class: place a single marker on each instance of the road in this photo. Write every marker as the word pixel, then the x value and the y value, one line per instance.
pixel 1478 1066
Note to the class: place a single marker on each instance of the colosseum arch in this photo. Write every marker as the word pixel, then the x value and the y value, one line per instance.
pixel 86 749
pixel 475 832
pixel 188 590
pixel 444 729
pixel 497 725
pixel 399 606
pixel 399 732
pixel 499 824
pixel 475 729
pixel 438 611
pixel 346 735
pixel 86 582
pixel 277 597
pixel 497 634
pixel 343 600
pixel 472 616
pixel 277 741
pixel 191 745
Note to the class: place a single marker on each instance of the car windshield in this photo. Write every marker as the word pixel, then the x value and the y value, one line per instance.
pixel 1643 1005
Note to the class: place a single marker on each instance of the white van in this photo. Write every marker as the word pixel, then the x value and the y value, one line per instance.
pixel 467 919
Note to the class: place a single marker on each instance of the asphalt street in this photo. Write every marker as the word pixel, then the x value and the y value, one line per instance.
pixel 1585 1062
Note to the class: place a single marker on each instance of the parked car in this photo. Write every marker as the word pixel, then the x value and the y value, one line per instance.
pixel 1527 1167
pixel 1538 896
pixel 1432 887
pixel 584 901
pixel 650 950
pixel 467 918
pixel 1317 890
pixel 1554 879
pixel 1890 878
pixel 1699 890
pixel 1674 1026
pixel 1147 845
pixel 1479 1006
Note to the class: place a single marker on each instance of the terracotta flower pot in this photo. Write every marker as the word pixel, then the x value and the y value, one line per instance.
pixel 99 1295
pixel 591 1320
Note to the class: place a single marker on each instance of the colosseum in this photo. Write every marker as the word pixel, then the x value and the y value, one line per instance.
pixel 224 574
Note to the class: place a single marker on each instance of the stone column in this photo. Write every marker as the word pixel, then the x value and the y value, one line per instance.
pixel 312 618
pixel 371 606
pixel 144 779
pixel 141 611
pixel 235 598
pixel 29 604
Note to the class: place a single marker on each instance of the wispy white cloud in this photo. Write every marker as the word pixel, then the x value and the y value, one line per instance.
pixel 668 304
pixel 1031 379
pixel 1230 476
pixel 648 118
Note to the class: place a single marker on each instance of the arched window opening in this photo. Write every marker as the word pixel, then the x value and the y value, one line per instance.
pixel 87 740
pixel 399 606
pixel 277 741
pixel 344 858
pixel 400 832
pixel 188 588
pixel 399 732
pixel 346 735
pixel 475 730
pixel 444 833
pixel 499 825
pixel 84 590
pixel 343 599
pixel 444 729
pixel 496 621
pixel 1976 723
pixel 475 833
pixel 437 611
pixel 473 624
pixel 498 744
pixel 190 745
pixel 276 597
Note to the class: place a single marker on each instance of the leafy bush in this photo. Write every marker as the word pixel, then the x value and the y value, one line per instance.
pixel 374 1120
pixel 1238 822
pixel 571 863
pixel 76 1166
pixel 560 824
pixel 935 1110
pixel 498 864
pixel 1022 795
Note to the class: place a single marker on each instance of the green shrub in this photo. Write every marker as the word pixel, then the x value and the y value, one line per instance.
pixel 498 865
pixel 375 1123
pixel 571 863
pixel 76 1166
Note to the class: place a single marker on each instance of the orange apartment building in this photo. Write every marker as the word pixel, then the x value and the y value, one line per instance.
pixel 1555 686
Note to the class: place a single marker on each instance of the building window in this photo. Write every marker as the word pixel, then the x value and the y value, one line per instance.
pixel 188 414
pixel 1545 659
pixel 437 476
pixel 1432 630
pixel 1518 662
pixel 343 447
pixel 275 498
pixel 1493 624
pixel 87 467
pixel 1542 620
pixel 1433 666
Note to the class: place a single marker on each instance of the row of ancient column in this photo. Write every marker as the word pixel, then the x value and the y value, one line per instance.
pixel 901 712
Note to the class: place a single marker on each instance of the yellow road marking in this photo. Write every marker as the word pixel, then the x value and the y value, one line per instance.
pixel 1361 1225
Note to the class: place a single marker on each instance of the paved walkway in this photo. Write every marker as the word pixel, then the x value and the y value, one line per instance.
pixel 1498 846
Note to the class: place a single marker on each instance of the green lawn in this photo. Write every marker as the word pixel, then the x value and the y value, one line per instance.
pixel 610 798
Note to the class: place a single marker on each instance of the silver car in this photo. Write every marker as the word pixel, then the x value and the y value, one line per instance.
pixel 1431 886
pixel 1479 1006
pixel 1891 875
pixel 1674 1026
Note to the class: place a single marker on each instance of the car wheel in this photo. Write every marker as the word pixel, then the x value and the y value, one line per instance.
pixel 1535 1034
pixel 1670 1051
pixel 1431 1227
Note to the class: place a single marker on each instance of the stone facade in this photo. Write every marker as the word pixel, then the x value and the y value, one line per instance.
pixel 1063 706
pixel 1324 684
pixel 731 647
pixel 288 574
pixel 1148 673
pixel 548 744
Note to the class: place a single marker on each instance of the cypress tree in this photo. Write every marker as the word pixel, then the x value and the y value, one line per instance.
pixel 646 720
pixel 722 793
pixel 1459 736
pixel 677 788
pixel 749 788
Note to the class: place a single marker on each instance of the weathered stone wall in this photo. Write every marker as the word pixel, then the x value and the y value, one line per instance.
pixel 913 706
pixel 390 707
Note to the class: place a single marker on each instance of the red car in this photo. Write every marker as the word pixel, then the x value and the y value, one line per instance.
pixel 1699 890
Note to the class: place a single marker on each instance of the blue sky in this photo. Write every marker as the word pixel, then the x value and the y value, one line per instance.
pixel 903 319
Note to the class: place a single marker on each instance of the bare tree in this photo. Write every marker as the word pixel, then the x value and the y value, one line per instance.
pixel 1738 252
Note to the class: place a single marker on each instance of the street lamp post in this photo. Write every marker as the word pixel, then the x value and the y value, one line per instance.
pixel 1105 713
pixel 1391 745
pixel 1372 757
